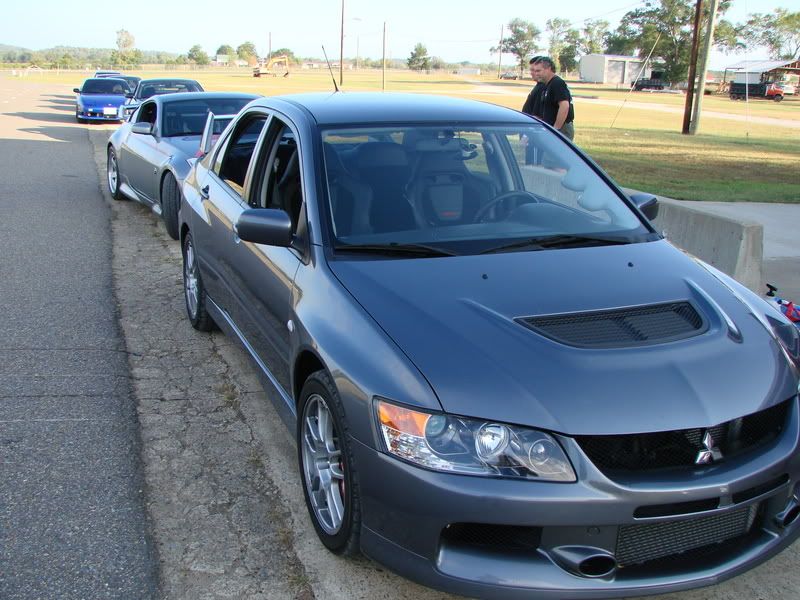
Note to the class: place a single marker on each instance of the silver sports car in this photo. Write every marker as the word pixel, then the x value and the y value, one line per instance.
pixel 148 156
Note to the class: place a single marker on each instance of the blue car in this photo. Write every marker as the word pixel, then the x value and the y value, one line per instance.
pixel 503 381
pixel 100 99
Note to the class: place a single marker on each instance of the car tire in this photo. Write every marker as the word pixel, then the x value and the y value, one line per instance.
pixel 194 291
pixel 336 510
pixel 778 98
pixel 170 203
pixel 112 174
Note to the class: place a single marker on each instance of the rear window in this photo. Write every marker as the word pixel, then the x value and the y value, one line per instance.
pixel 168 87
pixel 188 117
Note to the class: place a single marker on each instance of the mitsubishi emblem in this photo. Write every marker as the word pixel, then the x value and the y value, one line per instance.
pixel 709 453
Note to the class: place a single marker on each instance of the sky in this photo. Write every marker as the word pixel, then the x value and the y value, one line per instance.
pixel 453 30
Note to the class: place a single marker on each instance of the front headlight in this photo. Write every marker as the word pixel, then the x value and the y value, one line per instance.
pixel 470 446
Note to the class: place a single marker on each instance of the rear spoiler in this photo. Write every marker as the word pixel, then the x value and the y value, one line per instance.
pixel 208 138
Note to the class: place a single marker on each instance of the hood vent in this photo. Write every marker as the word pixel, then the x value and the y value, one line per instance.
pixel 621 328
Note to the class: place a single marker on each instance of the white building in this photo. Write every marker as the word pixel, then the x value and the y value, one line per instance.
pixel 610 68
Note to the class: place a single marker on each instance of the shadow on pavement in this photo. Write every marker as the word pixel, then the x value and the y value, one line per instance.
pixel 61 134
pixel 43 116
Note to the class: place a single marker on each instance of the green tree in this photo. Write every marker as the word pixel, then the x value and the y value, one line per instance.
pixel 225 49
pixel 437 63
pixel 125 40
pixel 593 35
pixel 779 32
pixel 522 41
pixel 557 31
pixel 247 51
pixel 729 37
pixel 197 55
pixel 419 59
pixel 568 56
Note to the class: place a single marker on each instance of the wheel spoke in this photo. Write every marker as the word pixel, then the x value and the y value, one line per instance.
pixel 322 464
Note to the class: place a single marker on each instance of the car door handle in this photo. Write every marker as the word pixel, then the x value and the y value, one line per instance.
pixel 204 192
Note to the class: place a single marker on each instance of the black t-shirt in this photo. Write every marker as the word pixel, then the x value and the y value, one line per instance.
pixel 554 92
pixel 533 103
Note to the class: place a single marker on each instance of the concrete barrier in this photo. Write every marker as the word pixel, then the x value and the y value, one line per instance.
pixel 734 247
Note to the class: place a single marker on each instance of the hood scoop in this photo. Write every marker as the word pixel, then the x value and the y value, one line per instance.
pixel 621 327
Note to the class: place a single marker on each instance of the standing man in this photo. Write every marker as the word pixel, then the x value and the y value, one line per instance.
pixel 556 101
pixel 532 104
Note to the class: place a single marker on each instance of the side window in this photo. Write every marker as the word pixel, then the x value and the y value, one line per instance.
pixel 280 185
pixel 147 113
pixel 232 162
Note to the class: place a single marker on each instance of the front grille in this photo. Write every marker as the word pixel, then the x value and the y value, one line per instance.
pixel 493 537
pixel 639 544
pixel 620 328
pixel 679 448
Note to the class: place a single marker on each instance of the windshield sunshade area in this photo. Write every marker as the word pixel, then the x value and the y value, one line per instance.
pixel 158 88
pixel 188 117
pixel 116 87
pixel 466 191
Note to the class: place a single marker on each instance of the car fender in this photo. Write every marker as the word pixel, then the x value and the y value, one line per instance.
pixel 363 361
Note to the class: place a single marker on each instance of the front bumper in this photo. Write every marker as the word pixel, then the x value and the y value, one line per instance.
pixel 522 537
pixel 97 114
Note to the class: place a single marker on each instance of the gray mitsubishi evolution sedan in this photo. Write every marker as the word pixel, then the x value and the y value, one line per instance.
pixel 503 381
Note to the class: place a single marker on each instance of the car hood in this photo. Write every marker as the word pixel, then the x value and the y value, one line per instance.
pixel 454 317
pixel 101 99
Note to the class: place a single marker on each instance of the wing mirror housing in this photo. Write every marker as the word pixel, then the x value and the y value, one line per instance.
pixel 142 128
pixel 268 226
pixel 647 203
pixel 76 90
pixel 129 95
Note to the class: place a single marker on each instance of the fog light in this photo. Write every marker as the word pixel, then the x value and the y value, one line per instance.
pixel 491 440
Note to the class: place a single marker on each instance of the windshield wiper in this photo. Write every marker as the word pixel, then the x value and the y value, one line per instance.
pixel 559 241
pixel 420 250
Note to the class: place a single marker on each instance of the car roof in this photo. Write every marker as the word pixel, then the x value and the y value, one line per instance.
pixel 375 107
pixel 182 96
pixel 165 79
pixel 105 79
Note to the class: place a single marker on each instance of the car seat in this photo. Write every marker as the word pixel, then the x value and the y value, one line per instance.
pixel 350 199
pixel 385 168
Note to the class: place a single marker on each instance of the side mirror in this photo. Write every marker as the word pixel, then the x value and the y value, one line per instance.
pixel 143 128
pixel 76 90
pixel 647 203
pixel 269 226
pixel 129 95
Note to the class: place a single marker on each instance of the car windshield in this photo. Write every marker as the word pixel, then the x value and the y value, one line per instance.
pixel 188 117
pixel 157 88
pixel 486 188
pixel 104 86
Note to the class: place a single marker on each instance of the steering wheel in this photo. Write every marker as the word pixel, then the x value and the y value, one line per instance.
pixel 479 216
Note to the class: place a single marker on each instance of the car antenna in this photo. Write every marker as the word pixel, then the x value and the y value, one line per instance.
pixel 336 87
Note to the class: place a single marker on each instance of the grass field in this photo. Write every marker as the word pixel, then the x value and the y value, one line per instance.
pixel 744 151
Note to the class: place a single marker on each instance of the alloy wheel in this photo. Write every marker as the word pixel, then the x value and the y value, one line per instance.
pixel 113 172
pixel 322 465
pixel 190 282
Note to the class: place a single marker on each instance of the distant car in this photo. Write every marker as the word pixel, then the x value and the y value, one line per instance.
pixel 106 73
pixel 100 99
pixel 502 380
pixel 148 155
pixel 788 89
pixel 132 80
pixel 146 88
pixel 509 75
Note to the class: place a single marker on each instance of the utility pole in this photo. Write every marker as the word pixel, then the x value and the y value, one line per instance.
pixel 500 53
pixel 687 111
pixel 341 48
pixel 701 84
pixel 383 76
pixel 269 54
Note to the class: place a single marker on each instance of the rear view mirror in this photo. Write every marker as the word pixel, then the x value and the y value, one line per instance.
pixel 269 226
pixel 647 203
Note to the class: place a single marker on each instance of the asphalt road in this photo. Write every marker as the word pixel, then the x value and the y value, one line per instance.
pixel 72 518
pixel 100 353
